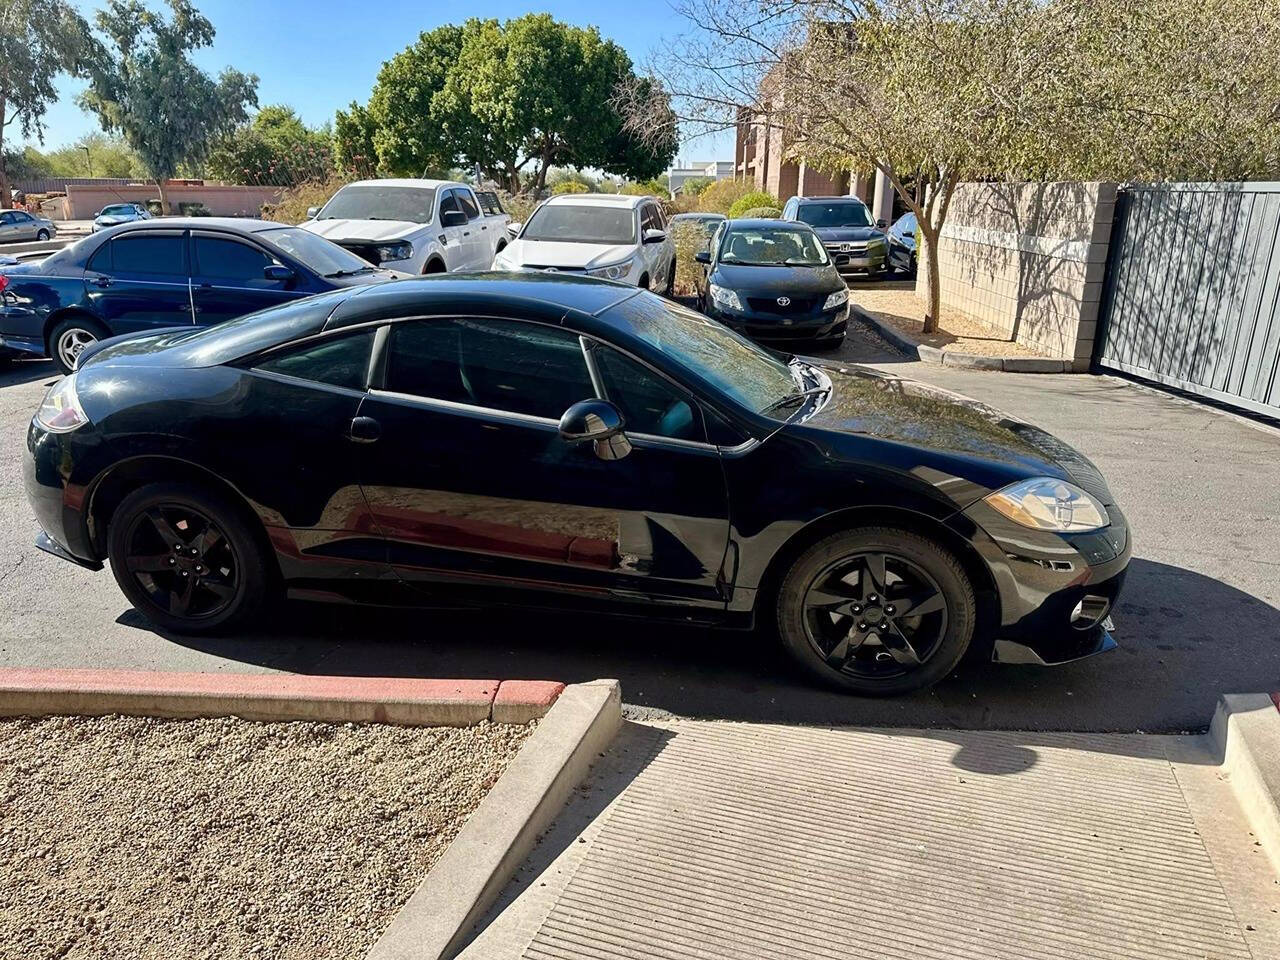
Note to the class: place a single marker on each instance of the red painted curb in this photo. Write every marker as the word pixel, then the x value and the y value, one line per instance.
pixel 272 696
pixel 1275 698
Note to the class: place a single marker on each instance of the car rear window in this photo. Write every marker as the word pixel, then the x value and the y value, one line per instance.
pixel 149 253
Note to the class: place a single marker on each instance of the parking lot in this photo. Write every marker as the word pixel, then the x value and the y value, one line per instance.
pixel 1200 615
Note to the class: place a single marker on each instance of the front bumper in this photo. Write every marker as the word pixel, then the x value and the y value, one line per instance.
pixel 870 262
pixel 1041 577
pixel 58 501
pixel 773 327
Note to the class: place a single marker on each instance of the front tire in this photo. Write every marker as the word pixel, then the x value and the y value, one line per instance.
pixel 845 611
pixel 187 558
pixel 42 234
pixel 69 339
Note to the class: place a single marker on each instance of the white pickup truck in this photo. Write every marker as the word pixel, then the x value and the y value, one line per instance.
pixel 416 226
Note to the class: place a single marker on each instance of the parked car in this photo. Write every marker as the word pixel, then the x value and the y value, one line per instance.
pixel 415 226
pixel 555 440
pixel 118 213
pixel 902 245
pixel 611 236
pixel 773 280
pixel 163 273
pixel 18 225
pixel 855 241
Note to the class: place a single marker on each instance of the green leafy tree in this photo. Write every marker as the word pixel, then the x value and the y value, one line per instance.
pixel 559 175
pixel 144 85
pixel 570 186
pixel 353 148
pixel 749 201
pixel 275 148
pixel 513 98
pixel 695 185
pixel 95 155
pixel 38 40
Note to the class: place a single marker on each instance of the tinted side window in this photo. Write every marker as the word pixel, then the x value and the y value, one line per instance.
pixel 6 218
pixel 648 218
pixel 157 254
pixel 499 364
pixel 468 203
pixel 101 259
pixel 221 259
pixel 450 203
pixel 341 361
pixel 489 202
pixel 649 403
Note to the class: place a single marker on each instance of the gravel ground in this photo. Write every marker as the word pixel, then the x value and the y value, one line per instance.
pixel 956 331
pixel 140 839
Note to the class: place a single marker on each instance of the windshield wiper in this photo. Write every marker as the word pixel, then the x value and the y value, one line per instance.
pixel 348 273
pixel 791 398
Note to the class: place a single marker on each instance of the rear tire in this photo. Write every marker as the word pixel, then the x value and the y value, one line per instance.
pixel 70 337
pixel 670 285
pixel 187 558
pixel 847 630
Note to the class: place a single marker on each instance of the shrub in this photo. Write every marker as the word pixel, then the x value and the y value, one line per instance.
pixel 762 213
pixel 570 186
pixel 519 205
pixel 294 202
pixel 750 201
pixel 689 239
pixel 722 194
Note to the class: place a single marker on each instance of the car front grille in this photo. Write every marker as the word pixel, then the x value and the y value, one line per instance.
pixel 549 269
pixel 852 248
pixel 795 305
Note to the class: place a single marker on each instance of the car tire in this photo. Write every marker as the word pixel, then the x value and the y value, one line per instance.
pixel 643 282
pixel 830 596
pixel 669 287
pixel 70 337
pixel 42 234
pixel 188 559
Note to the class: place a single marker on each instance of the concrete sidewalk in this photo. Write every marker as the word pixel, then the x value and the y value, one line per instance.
pixel 726 840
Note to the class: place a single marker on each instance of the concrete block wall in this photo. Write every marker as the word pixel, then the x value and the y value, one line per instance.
pixel 221 200
pixel 1029 259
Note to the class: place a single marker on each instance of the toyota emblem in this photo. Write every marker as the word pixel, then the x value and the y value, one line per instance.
pixel 551 270
pixel 784 301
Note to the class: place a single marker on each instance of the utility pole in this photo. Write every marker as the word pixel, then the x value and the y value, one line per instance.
pixel 88 159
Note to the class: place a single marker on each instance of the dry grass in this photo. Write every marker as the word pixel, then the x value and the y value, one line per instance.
pixel 140 839
pixel 295 201
pixel 896 304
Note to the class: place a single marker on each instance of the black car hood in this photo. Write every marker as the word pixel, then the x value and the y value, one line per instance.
pixel 777 281
pixel 843 234
pixel 1000 448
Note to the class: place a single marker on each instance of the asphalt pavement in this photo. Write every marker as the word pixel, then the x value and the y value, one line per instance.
pixel 1200 615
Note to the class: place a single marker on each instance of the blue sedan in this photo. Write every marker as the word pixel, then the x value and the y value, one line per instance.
pixel 151 274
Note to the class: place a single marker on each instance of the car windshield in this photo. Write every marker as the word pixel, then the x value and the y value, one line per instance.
pixel 378 202
pixel 906 225
pixel 709 350
pixel 772 247
pixel 838 213
pixel 581 223
pixel 325 258
pixel 119 208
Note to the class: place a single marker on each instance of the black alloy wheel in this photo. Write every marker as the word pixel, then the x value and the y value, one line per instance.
pixel 877 611
pixel 185 558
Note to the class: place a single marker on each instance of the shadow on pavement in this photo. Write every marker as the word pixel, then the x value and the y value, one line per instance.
pixel 1184 638
pixel 25 371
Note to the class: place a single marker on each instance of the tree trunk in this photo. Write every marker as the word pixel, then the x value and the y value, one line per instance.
pixel 933 306
pixel 6 199
pixel 164 198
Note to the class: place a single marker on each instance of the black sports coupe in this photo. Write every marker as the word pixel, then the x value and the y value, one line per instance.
pixel 537 439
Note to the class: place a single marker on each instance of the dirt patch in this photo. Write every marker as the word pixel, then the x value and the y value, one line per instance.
pixel 957 332
pixel 147 839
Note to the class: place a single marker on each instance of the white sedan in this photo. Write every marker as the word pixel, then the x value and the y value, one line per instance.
pixel 615 237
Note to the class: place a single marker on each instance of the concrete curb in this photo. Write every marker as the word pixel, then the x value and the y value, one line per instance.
pixel 1246 732
pixel 464 883
pixel 966 361
pixel 273 696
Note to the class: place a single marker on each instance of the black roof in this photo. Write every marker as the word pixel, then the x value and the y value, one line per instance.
pixel 756 222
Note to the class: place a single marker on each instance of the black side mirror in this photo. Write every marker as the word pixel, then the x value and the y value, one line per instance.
pixel 452 218
pixel 882 224
pixel 600 422
pixel 275 271
pixel 702 256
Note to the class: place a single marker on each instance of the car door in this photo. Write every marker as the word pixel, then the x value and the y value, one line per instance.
pixel 475 238
pixel 454 238
pixel 227 278
pixel 471 483
pixel 139 280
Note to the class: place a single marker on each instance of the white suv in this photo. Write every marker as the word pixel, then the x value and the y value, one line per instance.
pixel 612 236
pixel 415 226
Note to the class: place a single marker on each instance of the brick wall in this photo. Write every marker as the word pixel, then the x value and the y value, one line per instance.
pixel 84 202
pixel 1029 259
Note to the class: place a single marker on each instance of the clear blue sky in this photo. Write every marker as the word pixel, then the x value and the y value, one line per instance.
pixel 318 56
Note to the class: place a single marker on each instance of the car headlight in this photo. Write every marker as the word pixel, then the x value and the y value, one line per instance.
pixel 1044 503
pixel 399 250
pixel 60 411
pixel 725 297
pixel 837 298
pixel 502 262
pixel 614 271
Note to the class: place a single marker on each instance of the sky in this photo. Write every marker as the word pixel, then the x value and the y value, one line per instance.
pixel 318 56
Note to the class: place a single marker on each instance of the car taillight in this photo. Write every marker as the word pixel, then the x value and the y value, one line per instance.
pixel 4 282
